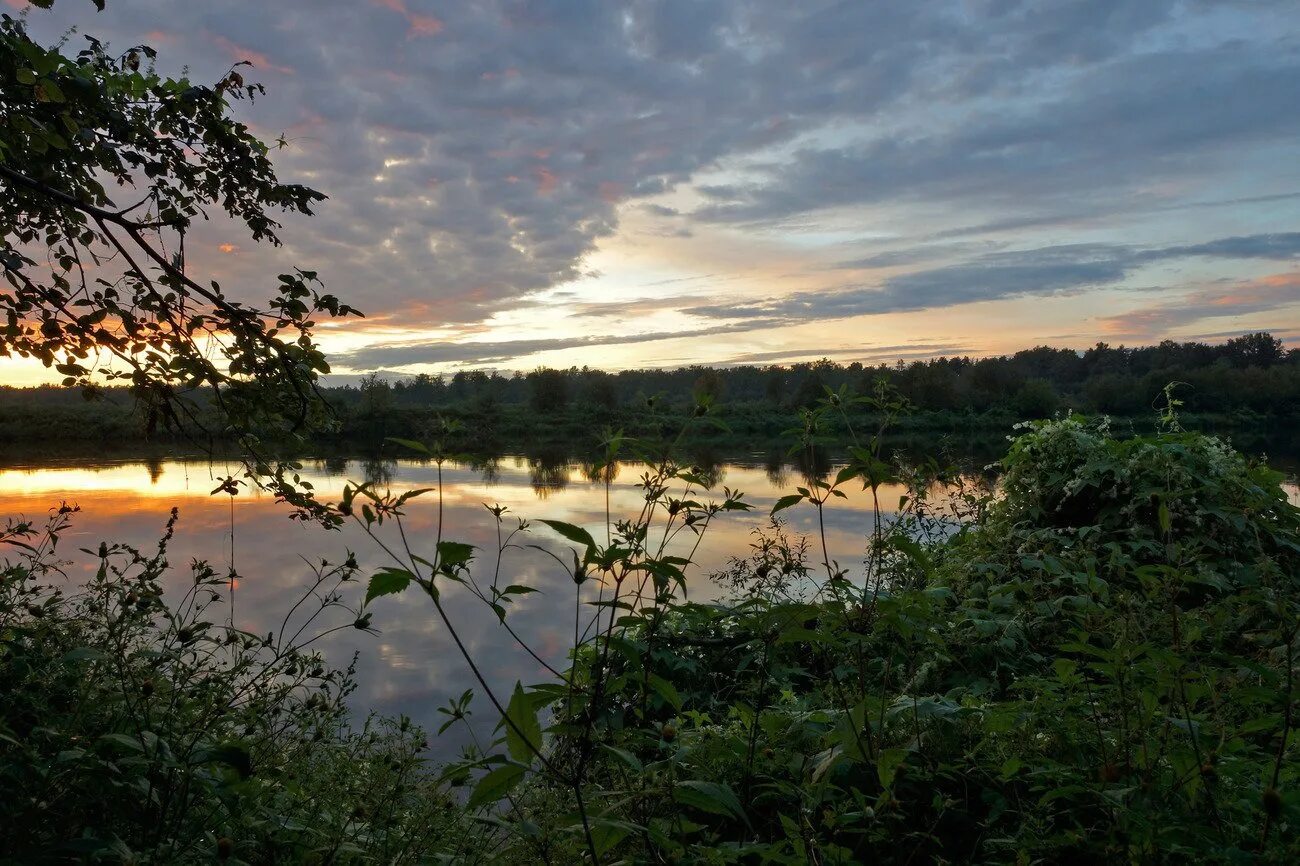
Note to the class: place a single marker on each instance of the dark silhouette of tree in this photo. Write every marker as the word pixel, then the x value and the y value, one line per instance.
pixel 105 164
pixel 1254 350
pixel 549 390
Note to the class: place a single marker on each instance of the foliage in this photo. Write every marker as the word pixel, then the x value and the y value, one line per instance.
pixel 1095 664
pixel 105 165
pixel 1252 373
pixel 137 731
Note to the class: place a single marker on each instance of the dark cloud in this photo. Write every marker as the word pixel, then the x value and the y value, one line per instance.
pixel 1271 246
pixel 1097 133
pixel 475 153
pixel 1045 271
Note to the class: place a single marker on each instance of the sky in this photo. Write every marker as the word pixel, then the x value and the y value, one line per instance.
pixel 667 182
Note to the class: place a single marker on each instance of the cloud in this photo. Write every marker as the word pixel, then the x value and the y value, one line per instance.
pixel 1044 271
pixel 476 154
pixel 1101 133
pixel 1266 294
pixel 865 354
pixel 914 255
pixel 1271 246
pixel 409 353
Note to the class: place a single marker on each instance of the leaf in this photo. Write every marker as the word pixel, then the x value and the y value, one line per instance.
pixel 888 763
pixel 575 534
pixel 605 834
pixel 519 589
pixel 84 653
pixel 495 785
pixel 711 797
pixel 524 737
pixel 786 501
pixel 625 756
pixel 233 754
pixel 418 447
pixel 131 744
pixel 388 581
pixel 665 690
pixel 454 553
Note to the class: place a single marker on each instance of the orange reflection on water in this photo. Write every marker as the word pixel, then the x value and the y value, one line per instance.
pixel 413 665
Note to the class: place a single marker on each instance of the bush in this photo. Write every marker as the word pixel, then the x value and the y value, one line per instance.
pixel 135 732
pixel 1096 663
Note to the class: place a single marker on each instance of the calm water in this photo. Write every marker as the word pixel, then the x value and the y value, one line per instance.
pixel 412 666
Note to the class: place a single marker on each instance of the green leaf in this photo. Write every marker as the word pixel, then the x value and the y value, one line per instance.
pixel 84 653
pixel 605 833
pixel 418 447
pixel 524 737
pixel 625 756
pixel 786 501
pixel 711 797
pixel 495 785
pixel 665 690
pixel 388 581
pixel 454 553
pixel 232 754
pixel 888 763
pixel 575 534
pixel 131 744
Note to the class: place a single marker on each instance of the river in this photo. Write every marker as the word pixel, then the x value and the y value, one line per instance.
pixel 412 665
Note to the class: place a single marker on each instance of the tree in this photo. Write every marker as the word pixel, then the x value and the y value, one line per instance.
pixel 376 395
pixel 708 386
pixel 550 390
pixel 1036 398
pixel 104 166
pixel 1254 350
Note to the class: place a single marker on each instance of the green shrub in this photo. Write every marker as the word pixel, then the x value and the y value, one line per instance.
pixel 1095 665
pixel 132 731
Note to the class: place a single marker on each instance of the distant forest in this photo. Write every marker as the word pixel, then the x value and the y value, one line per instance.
pixel 1252 373
pixel 1252 379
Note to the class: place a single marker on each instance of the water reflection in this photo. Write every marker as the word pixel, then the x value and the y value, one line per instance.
pixel 774 465
pixel 412 666
pixel 548 473
pixel 378 471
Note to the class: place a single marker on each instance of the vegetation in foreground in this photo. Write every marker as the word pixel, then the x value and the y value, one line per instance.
pixel 1098 664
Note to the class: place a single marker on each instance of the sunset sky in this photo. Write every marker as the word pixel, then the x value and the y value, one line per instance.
pixel 628 184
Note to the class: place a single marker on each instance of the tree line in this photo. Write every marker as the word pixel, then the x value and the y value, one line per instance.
pixel 1250 373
